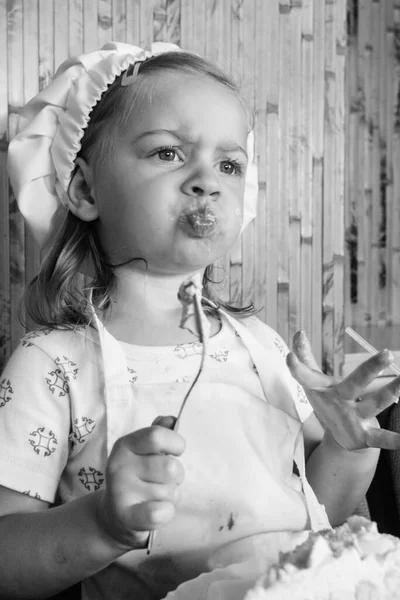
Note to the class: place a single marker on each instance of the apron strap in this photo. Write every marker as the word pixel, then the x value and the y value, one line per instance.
pixel 317 514
pixel 116 382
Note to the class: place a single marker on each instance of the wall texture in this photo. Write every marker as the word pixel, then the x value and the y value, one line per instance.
pixel 372 189
pixel 289 56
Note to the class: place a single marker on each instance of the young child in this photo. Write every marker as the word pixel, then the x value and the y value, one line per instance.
pixel 134 169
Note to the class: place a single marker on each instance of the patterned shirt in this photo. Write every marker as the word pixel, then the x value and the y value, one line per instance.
pixel 53 431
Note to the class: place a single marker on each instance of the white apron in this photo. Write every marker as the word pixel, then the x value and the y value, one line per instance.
pixel 252 477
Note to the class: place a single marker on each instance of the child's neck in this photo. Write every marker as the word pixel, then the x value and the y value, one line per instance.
pixel 146 310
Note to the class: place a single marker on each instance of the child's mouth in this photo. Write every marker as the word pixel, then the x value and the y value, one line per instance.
pixel 200 222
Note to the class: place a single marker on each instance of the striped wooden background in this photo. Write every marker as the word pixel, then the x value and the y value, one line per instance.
pixel 289 56
pixel 373 166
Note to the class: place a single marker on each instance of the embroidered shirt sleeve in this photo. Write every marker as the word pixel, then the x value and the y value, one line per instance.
pixel 34 419
pixel 303 406
pixel 275 342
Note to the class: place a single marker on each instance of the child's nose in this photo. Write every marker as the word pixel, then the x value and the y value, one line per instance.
pixel 202 182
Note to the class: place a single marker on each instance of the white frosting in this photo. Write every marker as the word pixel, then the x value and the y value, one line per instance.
pixel 352 562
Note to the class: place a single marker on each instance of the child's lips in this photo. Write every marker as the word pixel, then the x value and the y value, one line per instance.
pixel 200 222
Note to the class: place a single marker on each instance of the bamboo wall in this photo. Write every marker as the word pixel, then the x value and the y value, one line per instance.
pixel 289 56
pixel 373 174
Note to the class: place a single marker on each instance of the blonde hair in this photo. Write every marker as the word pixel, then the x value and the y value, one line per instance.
pixel 58 296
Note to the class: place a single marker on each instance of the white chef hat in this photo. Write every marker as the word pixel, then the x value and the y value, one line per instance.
pixel 41 156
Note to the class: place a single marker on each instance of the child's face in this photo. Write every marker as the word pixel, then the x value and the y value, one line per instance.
pixel 172 190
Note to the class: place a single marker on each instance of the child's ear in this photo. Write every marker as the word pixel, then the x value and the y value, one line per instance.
pixel 81 201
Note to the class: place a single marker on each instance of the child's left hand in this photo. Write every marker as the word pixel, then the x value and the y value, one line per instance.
pixel 349 417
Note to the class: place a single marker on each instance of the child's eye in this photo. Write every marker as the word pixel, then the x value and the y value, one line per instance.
pixel 167 154
pixel 231 167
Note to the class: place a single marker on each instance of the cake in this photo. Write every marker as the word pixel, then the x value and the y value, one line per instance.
pixel 351 562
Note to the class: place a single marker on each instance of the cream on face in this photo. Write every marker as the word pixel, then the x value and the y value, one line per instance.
pixel 200 222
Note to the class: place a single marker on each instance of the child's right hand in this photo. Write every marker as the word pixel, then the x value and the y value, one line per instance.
pixel 142 483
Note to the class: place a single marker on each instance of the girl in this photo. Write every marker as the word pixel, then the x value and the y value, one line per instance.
pixel 135 168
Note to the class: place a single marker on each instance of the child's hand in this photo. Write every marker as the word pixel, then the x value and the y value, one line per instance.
pixel 142 483
pixel 350 418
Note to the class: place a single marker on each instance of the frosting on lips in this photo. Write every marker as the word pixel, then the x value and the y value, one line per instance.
pixel 200 222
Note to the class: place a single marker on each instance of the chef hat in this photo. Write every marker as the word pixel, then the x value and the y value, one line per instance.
pixel 41 156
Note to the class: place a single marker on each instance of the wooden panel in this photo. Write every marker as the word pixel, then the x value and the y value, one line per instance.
pixel 307 239
pixel 338 216
pixel 17 229
pixel 89 25
pixel 282 201
pixel 247 86
pixel 295 181
pixel 236 56
pixel 104 22
pixel 5 291
pixel 31 87
pixel 317 145
pixel 372 191
pixel 394 216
